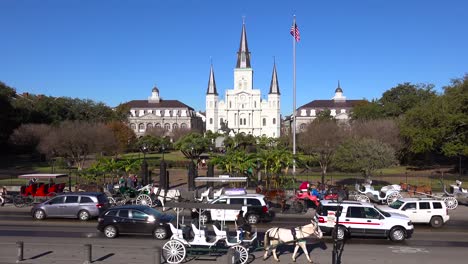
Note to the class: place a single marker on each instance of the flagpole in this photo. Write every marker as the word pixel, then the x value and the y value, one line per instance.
pixel 294 98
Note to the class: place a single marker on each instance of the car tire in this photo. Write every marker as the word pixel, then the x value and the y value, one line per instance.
pixel 341 233
pixel 83 215
pixel 110 231
pixel 253 219
pixel 160 233
pixel 397 234
pixel 436 222
pixel 39 214
pixel 204 219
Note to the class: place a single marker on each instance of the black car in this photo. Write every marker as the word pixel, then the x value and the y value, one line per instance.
pixel 134 219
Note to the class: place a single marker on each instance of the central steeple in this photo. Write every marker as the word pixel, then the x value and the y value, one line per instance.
pixel 243 55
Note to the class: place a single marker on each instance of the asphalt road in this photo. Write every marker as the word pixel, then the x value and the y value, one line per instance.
pixel 61 241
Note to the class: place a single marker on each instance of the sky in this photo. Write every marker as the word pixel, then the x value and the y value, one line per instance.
pixel 117 51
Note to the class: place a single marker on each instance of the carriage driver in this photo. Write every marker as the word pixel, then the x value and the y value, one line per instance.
pixel 243 226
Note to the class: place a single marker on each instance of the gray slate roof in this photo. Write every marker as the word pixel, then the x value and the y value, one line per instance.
pixel 162 104
pixel 331 104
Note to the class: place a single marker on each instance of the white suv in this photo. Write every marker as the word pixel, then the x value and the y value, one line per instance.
pixel 254 206
pixel 421 210
pixel 363 219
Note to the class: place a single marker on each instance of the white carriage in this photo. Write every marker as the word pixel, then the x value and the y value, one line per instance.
pixel 151 196
pixel 456 194
pixel 209 194
pixel 387 194
pixel 182 244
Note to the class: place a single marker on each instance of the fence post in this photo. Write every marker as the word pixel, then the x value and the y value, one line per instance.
pixel 20 256
pixel 157 255
pixel 231 256
pixel 87 254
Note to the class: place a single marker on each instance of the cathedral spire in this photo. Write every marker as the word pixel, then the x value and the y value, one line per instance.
pixel 274 85
pixel 211 83
pixel 243 55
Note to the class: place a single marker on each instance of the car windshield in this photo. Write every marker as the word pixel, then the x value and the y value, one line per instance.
pixel 152 211
pixel 396 204
pixel 382 212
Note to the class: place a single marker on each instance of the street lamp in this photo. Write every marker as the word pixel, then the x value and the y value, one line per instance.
pixel 163 148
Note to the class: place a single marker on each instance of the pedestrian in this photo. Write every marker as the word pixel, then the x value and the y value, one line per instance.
pixel 243 226
pixel 122 181
pixel 3 193
pixel 130 182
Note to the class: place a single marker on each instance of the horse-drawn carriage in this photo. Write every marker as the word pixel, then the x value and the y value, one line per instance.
pixel 39 188
pixel 147 195
pixel 182 244
pixel 386 195
pixel 458 192
pixel 449 199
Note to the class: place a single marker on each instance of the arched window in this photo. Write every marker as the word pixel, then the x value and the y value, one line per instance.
pixel 264 122
pixel 175 126
pixel 230 104
pixel 133 126
pixel 255 104
pixel 158 125
pixel 302 126
pixel 148 126
pixel 245 121
pixel 274 121
pixel 141 127
pixel 183 125
pixel 167 126
pixel 211 121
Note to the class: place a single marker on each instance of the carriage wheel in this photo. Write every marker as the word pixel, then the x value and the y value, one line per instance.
pixel 393 197
pixel 18 201
pixel 242 255
pixel 362 198
pixel 298 206
pixel 451 202
pixel 174 251
pixel 144 199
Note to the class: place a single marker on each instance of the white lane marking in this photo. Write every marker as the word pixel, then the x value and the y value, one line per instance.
pixel 409 250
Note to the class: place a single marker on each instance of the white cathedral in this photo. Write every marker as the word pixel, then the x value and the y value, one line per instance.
pixel 243 110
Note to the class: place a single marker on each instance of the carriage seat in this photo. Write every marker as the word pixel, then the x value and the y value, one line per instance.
pixel 198 232
pixel 176 233
pixel 218 193
pixel 42 190
pixel 219 233
pixel 30 190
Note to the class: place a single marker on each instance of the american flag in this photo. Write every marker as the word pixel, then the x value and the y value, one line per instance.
pixel 295 32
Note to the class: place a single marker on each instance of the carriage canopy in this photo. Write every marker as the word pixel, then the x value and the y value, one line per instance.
pixel 40 176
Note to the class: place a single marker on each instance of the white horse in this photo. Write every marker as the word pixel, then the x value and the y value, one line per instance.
pixel 161 194
pixel 277 236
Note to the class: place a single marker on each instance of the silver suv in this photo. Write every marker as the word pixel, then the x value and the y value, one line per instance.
pixel 81 205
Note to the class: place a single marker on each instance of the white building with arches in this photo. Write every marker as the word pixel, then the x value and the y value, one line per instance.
pixel 158 112
pixel 243 110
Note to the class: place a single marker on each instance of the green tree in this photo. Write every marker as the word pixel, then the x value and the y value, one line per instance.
pixel 440 124
pixel 401 98
pixel 364 155
pixel 321 139
pixel 367 111
pixel 192 145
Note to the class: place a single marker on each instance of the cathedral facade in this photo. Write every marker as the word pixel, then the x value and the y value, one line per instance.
pixel 243 110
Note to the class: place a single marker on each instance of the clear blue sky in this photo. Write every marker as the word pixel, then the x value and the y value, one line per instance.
pixel 115 51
